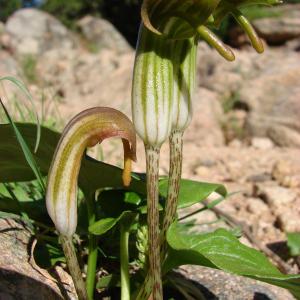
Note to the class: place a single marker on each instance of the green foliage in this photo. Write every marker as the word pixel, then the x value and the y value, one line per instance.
pixel 219 249
pixel 294 243
pixel 113 205
pixel 7 7
pixel 222 250
pixel 192 192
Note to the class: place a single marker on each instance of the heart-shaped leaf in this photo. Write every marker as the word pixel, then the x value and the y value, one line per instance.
pixel 192 192
pixel 222 250
pixel 104 225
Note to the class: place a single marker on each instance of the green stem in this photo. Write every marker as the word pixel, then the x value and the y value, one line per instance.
pixel 125 280
pixel 152 161
pixel 93 252
pixel 73 266
pixel 176 145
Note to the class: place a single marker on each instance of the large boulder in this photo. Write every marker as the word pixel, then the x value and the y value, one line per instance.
pixel 205 128
pixel 20 277
pixel 266 86
pixel 31 31
pixel 273 99
pixel 102 34
pixel 284 26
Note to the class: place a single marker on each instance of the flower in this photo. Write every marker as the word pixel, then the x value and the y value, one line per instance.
pixel 87 129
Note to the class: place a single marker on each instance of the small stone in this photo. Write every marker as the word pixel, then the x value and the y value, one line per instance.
pixel 257 206
pixel 102 34
pixel 285 174
pixel 202 171
pixel 259 177
pixel 235 144
pixel 289 221
pixel 276 196
pixel 262 143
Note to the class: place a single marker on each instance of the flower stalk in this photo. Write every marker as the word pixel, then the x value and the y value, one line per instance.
pixel 152 159
pixel 73 266
pixel 124 257
pixel 92 248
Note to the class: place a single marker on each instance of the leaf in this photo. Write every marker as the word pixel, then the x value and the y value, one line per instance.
pixel 14 168
pixel 222 250
pixel 113 202
pixel 293 243
pixel 111 280
pixel 192 192
pixel 26 150
pixel 106 224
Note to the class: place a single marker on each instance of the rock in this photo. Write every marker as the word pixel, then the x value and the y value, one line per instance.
pixel 85 80
pixel 284 26
pixel 205 128
pixel 286 173
pixel 283 135
pixel 293 45
pixel 262 143
pixel 8 65
pixel 265 86
pixel 257 206
pixel 288 220
pixel 20 279
pixel 235 143
pixel 102 34
pixel 272 97
pixel 276 196
pixel 33 32
pixel 216 284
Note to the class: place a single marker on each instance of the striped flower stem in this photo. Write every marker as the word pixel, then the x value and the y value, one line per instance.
pixel 85 130
pixel 73 266
pixel 152 161
pixel 152 94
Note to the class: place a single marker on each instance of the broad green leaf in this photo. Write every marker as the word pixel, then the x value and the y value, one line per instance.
pixel 293 242
pixel 192 192
pixel 26 150
pixel 104 225
pixel 222 250
pixel 34 210
pixel 132 198
pixel 14 168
